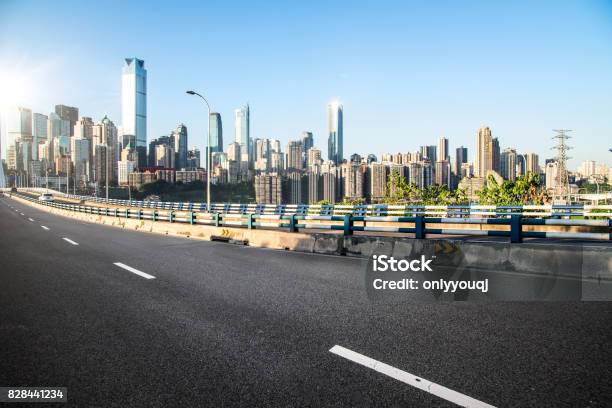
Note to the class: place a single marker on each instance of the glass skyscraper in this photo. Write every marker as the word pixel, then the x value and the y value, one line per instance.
pixel 134 100
pixel 180 146
pixel 334 126
pixel 242 135
pixel 216 133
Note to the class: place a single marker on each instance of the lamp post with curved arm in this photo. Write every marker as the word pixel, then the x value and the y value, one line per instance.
pixel 208 152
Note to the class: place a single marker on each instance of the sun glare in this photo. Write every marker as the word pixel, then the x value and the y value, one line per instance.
pixel 15 88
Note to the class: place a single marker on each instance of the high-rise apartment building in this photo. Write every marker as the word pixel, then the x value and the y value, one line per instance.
pixel 69 113
pixel 105 134
pixel 442 174
pixel 165 156
pixel 508 164
pixel 134 100
pixel 295 159
pixel 483 160
pixel 315 184
pixel 335 141
pixel 378 180
pixel 268 189
pixel 329 176
pixel 314 157
pixel 353 180
pixel 294 184
pixel 531 163
pixel 242 135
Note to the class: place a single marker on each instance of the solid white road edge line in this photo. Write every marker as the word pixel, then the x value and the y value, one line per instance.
pixel 420 383
pixel 133 270
pixel 70 241
pixel 43 227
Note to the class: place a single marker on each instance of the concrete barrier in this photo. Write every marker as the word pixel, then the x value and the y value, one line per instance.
pixel 579 260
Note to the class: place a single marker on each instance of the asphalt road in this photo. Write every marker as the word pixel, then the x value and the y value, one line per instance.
pixel 225 325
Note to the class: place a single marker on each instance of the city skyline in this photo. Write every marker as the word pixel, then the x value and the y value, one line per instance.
pixel 522 119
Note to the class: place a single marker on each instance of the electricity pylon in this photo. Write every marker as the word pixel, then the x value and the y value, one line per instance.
pixel 561 190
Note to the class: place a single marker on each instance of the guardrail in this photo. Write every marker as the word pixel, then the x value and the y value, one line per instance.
pixel 510 225
pixel 444 211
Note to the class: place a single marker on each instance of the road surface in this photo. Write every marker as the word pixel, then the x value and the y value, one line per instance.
pixel 129 319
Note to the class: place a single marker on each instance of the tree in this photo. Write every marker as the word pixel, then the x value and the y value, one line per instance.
pixel 398 190
pixel 525 189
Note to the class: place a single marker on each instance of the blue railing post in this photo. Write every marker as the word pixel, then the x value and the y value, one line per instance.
pixel 154 215
pixel 292 223
pixel 250 220
pixel 216 217
pixel 348 224
pixel 419 227
pixel 516 235
pixel 171 216
pixel 191 217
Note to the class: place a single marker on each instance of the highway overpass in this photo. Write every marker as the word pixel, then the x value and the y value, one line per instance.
pixel 123 318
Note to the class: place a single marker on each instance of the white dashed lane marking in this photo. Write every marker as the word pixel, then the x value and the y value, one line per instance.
pixel 134 270
pixel 410 379
pixel 70 241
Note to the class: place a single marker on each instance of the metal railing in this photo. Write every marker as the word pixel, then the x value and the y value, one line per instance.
pixel 510 224
pixel 444 211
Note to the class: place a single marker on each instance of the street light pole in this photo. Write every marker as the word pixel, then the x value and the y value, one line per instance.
pixel 208 152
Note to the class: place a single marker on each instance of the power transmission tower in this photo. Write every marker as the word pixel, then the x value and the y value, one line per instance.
pixel 561 190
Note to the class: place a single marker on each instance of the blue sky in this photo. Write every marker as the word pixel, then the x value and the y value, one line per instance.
pixel 406 72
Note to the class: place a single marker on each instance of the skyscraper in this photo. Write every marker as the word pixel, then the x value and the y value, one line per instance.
pixel 430 152
pixel 483 161
pixel 19 125
pixel 180 146
pixel 69 113
pixel 134 100
pixel 335 141
pixel 80 155
pixel 19 146
pixel 216 133
pixel 307 144
pixel 461 156
pixel 39 132
pixel 443 149
pixel 242 136
pixel 496 155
